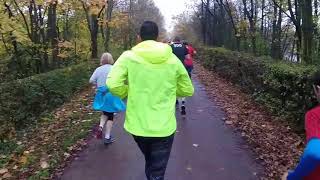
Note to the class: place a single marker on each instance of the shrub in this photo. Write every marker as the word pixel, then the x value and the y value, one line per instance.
pixel 285 88
pixel 23 101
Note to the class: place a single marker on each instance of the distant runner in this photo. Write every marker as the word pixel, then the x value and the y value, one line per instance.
pixel 181 51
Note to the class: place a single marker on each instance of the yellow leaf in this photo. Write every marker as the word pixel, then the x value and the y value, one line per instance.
pixel 23 160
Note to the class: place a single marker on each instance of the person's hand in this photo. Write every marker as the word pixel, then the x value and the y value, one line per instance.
pixel 285 176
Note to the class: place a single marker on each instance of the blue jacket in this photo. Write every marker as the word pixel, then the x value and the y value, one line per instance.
pixel 105 101
pixel 309 162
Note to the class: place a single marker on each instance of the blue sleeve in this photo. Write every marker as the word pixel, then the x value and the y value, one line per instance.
pixel 309 161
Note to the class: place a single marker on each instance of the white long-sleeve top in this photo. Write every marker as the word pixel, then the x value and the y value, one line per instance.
pixel 99 76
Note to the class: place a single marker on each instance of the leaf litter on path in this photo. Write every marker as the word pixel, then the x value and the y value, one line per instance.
pixel 275 144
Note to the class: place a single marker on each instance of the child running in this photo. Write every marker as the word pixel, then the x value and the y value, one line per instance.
pixel 104 101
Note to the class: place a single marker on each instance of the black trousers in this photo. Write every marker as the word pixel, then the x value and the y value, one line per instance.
pixel 156 152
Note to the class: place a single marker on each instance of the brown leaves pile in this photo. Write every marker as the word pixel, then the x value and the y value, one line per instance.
pixel 277 147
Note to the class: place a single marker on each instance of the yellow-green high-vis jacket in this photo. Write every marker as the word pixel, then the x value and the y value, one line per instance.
pixel 151 77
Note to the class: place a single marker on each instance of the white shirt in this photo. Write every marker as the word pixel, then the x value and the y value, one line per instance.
pixel 99 76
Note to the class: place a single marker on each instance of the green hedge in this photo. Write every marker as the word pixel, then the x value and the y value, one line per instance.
pixel 285 88
pixel 23 101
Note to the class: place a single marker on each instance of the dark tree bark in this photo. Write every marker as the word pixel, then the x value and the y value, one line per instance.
pixel 93 26
pixel 276 47
pixel 203 22
pixel 307 30
pixel 66 27
pixel 52 33
pixel 251 17
pixel 227 8
pixel 12 37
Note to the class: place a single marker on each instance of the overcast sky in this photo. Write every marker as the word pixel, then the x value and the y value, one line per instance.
pixel 171 8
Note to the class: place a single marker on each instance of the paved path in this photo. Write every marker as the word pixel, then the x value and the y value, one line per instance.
pixel 220 153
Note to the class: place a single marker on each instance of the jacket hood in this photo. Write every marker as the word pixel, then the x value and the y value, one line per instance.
pixel 153 52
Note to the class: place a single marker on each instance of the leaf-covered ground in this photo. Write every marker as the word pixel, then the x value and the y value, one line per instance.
pixel 273 141
pixel 40 153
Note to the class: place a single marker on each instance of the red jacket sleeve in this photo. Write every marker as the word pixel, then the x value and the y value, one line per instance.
pixel 312 125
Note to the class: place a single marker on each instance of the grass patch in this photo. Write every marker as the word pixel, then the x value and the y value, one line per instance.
pixel 43 174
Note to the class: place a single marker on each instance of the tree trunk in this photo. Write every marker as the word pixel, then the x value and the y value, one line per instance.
pixel 94 36
pixel 108 17
pixel 31 21
pixel 208 24
pixel 203 23
pixel 262 17
pixel 52 34
pixel 279 33
pixel 307 31
pixel 298 28
pixel 92 21
pixel 66 25
pixel 274 32
pixel 251 17
pixel 276 51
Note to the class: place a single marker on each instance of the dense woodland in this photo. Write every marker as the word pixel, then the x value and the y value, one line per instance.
pixel 37 36
pixel 282 29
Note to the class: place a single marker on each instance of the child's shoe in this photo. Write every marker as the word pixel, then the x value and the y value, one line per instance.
pixel 109 141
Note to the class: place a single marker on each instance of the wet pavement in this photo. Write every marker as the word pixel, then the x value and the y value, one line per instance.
pixel 204 149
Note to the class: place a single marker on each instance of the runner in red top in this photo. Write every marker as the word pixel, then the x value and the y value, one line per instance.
pixel 188 62
pixel 309 165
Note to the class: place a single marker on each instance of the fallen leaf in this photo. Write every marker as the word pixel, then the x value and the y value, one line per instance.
pixel 3 171
pixel 26 152
pixel 229 122
pixel 44 165
pixel 15 167
pixel 233 116
pixel 195 145
pixel 19 143
pixel 23 159
pixel 6 176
